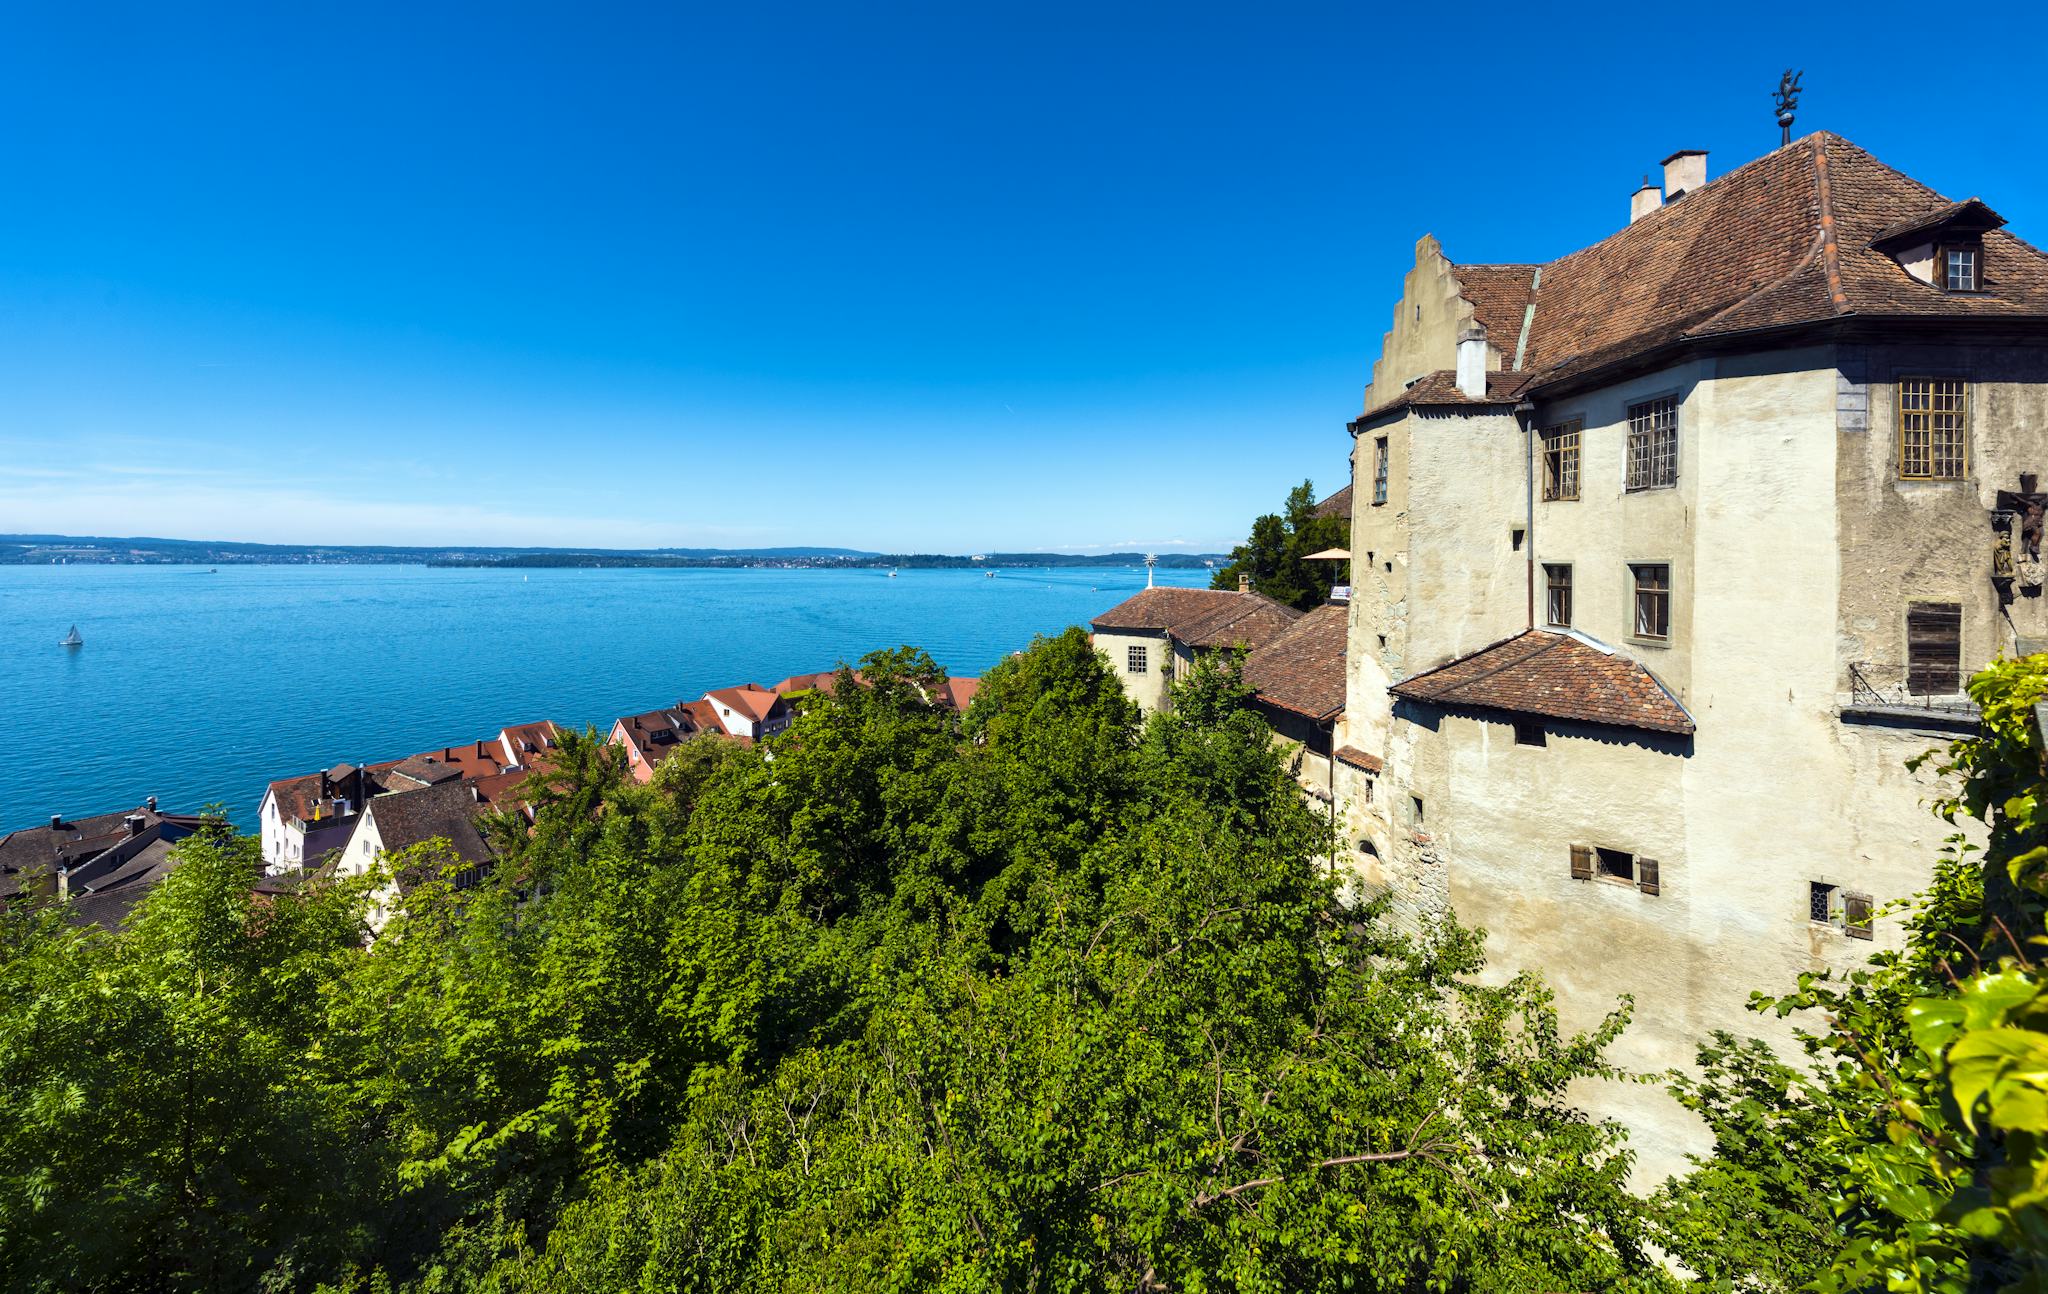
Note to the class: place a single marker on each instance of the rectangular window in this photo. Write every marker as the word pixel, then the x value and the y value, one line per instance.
pixel 1557 600
pixel 1529 732
pixel 1590 862
pixel 1379 470
pixel 1934 648
pixel 1561 461
pixel 1614 863
pixel 1933 428
pixel 1959 269
pixel 1134 660
pixel 1653 600
pixel 1820 902
pixel 1653 444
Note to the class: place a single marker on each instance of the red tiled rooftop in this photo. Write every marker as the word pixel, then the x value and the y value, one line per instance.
pixel 1303 669
pixel 1558 675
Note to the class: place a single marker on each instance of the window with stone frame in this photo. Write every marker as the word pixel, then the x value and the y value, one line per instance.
pixel 1934 428
pixel 1653 444
pixel 1934 648
pixel 1652 582
pixel 1379 470
pixel 1557 595
pixel 1561 461
pixel 1135 660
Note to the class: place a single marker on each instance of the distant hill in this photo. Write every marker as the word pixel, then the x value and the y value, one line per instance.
pixel 21 550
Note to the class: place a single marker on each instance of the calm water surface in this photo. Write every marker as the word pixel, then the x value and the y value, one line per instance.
pixel 201 688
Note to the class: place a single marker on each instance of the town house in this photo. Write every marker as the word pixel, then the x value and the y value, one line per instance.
pixel 1666 557
pixel 1152 638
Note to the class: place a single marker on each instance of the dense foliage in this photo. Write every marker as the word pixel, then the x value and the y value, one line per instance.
pixel 1034 998
pixel 1274 558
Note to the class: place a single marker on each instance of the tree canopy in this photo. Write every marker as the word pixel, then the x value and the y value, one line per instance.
pixel 1274 557
pixel 1037 997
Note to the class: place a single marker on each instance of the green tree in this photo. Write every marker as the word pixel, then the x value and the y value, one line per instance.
pixel 1274 557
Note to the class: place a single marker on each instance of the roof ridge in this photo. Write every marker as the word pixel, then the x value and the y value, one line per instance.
pixel 1831 252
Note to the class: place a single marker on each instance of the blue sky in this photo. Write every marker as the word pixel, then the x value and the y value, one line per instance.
pixel 945 277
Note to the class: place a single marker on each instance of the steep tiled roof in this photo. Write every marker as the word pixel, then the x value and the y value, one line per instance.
pixel 1783 241
pixel 427 770
pixel 750 699
pixel 447 812
pixel 522 742
pixel 1560 675
pixel 1337 505
pixel 1500 298
pixel 1303 668
pixel 1441 387
pixel 1201 617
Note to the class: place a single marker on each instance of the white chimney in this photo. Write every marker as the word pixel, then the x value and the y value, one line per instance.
pixel 1684 171
pixel 1645 200
pixel 1472 363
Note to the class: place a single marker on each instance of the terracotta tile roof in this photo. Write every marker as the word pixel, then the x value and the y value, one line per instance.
pixel 1500 297
pixel 750 699
pixel 822 681
pixel 1560 675
pixel 1303 668
pixel 1201 617
pixel 657 734
pixel 1357 758
pixel 1441 388
pixel 524 741
pixel 1337 505
pixel 1781 242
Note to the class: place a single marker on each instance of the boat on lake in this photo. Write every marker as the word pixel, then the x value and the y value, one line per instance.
pixel 72 639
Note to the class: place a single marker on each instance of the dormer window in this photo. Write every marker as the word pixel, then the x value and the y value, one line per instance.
pixel 1959 269
pixel 1943 248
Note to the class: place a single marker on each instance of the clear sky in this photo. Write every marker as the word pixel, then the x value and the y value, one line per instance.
pixel 952 277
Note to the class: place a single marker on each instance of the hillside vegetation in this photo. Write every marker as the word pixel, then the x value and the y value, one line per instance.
pixel 1037 998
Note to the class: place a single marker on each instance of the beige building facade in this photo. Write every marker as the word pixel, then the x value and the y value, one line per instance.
pixel 1667 557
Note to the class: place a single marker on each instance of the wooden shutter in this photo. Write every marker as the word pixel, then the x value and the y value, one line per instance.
pixel 1856 916
pixel 1646 875
pixel 1582 862
pixel 1934 648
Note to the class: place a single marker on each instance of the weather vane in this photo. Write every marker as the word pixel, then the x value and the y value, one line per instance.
pixel 1788 100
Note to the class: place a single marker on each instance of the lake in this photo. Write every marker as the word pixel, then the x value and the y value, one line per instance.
pixel 200 687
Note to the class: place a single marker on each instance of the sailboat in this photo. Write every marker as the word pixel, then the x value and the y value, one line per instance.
pixel 72 639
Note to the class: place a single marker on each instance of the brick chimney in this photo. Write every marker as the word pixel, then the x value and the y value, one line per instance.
pixel 1684 171
pixel 1472 363
pixel 1244 583
pixel 1644 200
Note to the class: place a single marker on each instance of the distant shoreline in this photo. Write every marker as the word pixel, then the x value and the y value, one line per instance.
pixel 93 550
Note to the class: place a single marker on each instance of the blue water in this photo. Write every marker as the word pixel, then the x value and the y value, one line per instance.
pixel 200 688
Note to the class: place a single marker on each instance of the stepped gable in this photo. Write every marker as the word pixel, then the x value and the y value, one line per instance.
pixel 1797 237
pixel 1303 668
pixel 1555 674
pixel 1201 617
